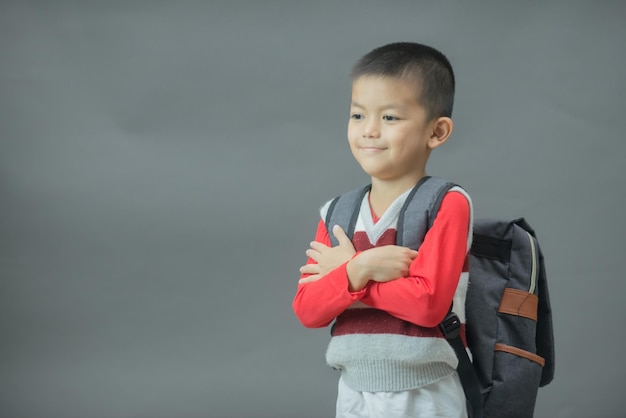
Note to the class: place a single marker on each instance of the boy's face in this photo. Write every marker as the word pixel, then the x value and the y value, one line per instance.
pixel 388 130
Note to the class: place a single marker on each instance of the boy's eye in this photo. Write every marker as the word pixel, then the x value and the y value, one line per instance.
pixel 389 118
pixel 356 116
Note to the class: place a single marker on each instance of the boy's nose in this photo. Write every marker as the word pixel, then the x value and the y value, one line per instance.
pixel 371 129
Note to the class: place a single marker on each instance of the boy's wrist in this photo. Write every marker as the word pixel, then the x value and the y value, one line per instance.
pixel 357 278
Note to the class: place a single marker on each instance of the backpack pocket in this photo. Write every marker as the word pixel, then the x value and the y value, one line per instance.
pixel 515 383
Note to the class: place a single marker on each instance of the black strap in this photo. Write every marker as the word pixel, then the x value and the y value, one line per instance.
pixel 451 327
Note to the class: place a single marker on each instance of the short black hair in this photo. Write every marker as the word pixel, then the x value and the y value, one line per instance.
pixel 413 62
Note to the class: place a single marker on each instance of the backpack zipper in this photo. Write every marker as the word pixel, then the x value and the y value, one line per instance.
pixel 533 268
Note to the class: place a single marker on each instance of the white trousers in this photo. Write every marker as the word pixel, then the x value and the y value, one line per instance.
pixel 444 398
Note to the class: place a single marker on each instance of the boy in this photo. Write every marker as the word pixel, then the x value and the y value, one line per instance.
pixel 388 300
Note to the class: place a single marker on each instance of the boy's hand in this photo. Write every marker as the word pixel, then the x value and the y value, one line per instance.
pixel 327 258
pixel 380 264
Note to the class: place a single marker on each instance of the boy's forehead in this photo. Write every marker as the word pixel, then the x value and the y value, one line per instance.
pixel 407 88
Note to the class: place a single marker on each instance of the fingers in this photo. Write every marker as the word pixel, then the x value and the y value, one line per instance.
pixel 341 236
pixel 318 246
pixel 405 252
pixel 387 263
pixel 310 279
pixel 310 269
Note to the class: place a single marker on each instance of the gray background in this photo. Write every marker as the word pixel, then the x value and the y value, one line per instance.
pixel 162 164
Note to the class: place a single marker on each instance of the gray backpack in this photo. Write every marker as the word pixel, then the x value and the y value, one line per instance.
pixel 508 314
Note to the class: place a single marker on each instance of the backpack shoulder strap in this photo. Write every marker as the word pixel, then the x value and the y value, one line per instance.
pixel 422 205
pixel 343 211
pixel 426 204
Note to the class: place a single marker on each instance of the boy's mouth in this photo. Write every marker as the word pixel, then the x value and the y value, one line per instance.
pixel 372 149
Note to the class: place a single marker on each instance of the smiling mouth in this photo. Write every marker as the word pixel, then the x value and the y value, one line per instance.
pixel 372 149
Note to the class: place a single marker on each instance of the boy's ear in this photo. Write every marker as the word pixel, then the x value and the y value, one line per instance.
pixel 441 129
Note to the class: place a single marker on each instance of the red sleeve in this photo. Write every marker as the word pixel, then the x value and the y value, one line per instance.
pixel 425 297
pixel 317 303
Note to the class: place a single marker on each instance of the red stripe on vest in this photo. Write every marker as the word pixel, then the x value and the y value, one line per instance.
pixel 361 241
pixel 375 321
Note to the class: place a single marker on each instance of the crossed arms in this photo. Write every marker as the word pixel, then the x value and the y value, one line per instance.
pixel 411 285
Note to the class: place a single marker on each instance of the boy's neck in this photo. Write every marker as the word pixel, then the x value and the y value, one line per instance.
pixel 385 192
